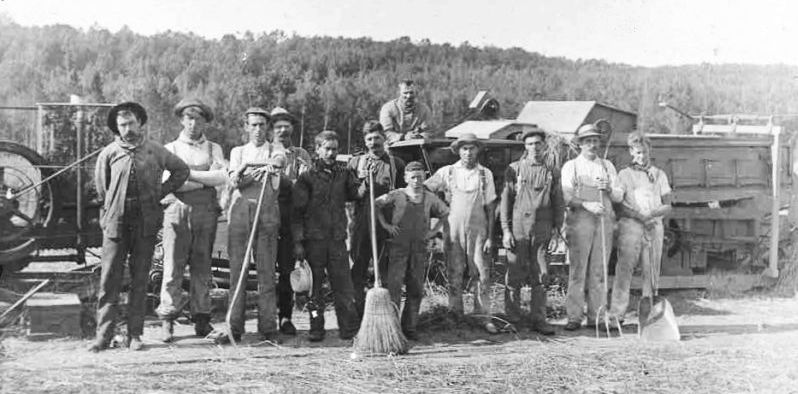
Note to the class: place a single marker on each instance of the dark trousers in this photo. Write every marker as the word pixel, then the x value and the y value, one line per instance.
pixel 285 264
pixel 523 268
pixel 328 257
pixel 361 257
pixel 137 248
pixel 407 265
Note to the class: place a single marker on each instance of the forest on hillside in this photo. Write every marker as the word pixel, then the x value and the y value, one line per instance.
pixel 338 83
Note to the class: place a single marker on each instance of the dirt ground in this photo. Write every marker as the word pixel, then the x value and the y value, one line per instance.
pixel 745 344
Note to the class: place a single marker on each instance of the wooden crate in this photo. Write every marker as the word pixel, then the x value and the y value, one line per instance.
pixel 54 314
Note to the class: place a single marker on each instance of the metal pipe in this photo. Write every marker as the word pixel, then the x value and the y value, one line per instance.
pixel 773 257
pixel 57 173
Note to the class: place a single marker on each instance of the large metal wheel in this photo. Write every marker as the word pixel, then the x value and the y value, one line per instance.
pixel 22 216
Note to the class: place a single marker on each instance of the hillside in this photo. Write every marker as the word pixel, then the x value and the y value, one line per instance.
pixel 337 83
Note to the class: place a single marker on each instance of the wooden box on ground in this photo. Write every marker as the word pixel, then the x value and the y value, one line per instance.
pixel 53 314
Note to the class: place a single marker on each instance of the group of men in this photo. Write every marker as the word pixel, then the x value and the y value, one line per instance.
pixel 295 207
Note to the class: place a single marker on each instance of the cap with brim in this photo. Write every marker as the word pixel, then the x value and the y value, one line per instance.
pixel 257 111
pixel 465 139
pixel 414 166
pixel 588 130
pixel 135 108
pixel 280 113
pixel 532 132
pixel 206 111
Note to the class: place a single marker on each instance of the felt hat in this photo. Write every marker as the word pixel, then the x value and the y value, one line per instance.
pixel 206 111
pixel 135 108
pixel 465 139
pixel 588 130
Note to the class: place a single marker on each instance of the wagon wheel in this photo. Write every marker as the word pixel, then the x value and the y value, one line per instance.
pixel 21 215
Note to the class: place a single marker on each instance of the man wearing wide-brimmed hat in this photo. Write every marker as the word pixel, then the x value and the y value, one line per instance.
pixel 252 165
pixel 590 186
pixel 189 227
pixel 404 117
pixel 297 161
pixel 388 172
pixel 128 177
pixel 471 194
pixel 531 207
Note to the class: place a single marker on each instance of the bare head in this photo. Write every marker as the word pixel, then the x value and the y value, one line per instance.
pixel 327 146
pixel 407 91
pixel 257 127
pixel 639 148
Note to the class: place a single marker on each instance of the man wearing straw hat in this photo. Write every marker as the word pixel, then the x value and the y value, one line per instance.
pixel 319 228
pixel 532 207
pixel 297 161
pixel 404 118
pixel 471 194
pixel 647 197
pixel 590 185
pixel 250 166
pixel 189 227
pixel 128 178
pixel 409 230
pixel 388 174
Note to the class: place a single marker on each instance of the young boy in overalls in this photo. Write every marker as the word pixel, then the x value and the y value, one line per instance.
pixel 472 198
pixel 409 230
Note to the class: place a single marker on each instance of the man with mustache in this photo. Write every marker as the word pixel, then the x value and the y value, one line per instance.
pixel 590 186
pixel 471 195
pixel 404 117
pixel 128 177
pixel 189 227
pixel 297 161
pixel 388 172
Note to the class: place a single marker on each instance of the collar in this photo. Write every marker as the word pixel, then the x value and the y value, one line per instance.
pixel 128 146
pixel 372 156
pixel 459 164
pixel 195 143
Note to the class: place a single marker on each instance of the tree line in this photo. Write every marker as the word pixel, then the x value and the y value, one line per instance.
pixel 338 83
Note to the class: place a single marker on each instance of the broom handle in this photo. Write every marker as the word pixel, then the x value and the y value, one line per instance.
pixel 247 257
pixel 373 228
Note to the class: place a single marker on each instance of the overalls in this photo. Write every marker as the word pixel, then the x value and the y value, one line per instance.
pixel 532 217
pixel 467 234
pixel 242 217
pixel 189 231
pixel 407 262
pixel 586 273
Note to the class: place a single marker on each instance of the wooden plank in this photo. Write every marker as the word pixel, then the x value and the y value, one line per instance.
pixel 740 281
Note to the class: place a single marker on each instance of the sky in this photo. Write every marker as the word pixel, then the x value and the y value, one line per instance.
pixel 636 32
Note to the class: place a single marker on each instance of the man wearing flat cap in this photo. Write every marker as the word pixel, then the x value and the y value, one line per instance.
pixel 189 227
pixel 297 161
pixel 388 172
pixel 532 207
pixel 252 166
pixel 405 118
pixel 590 185
pixel 471 194
pixel 128 177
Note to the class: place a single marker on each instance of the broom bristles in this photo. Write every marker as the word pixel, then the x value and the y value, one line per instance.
pixel 380 331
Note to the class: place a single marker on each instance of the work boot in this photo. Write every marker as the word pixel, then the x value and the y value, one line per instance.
pixel 202 324
pixel 273 337
pixel 573 325
pixel 316 332
pixel 542 327
pixel 224 339
pixel 512 308
pixel 135 344
pixel 167 331
pixel 286 327
pixel 98 346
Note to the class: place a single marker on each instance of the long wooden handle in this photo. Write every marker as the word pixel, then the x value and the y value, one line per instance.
pixel 247 258
pixel 373 228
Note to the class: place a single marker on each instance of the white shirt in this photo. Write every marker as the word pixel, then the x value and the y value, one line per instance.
pixel 584 171
pixel 463 179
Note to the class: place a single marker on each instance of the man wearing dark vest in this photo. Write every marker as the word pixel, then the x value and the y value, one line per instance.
pixel 189 226
pixel 128 178
pixel 388 174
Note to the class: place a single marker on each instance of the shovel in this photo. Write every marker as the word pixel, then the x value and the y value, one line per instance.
pixel 657 320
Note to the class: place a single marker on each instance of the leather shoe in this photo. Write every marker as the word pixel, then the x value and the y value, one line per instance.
pixel 316 336
pixel 224 339
pixel 287 328
pixel 97 347
pixel 134 344
pixel 543 327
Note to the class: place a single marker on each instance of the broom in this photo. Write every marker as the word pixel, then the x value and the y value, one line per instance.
pixel 380 331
